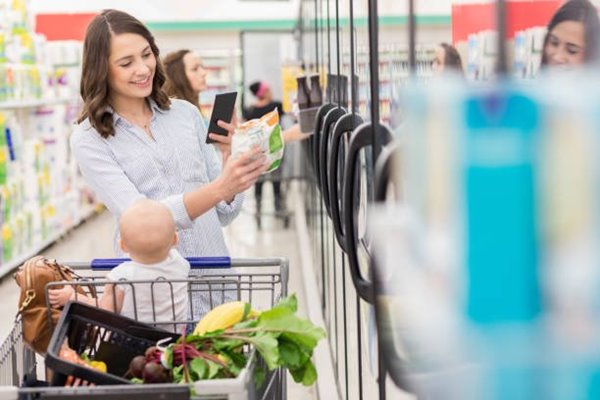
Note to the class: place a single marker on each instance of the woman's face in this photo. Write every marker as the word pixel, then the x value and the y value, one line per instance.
pixel 195 72
pixel 438 60
pixel 566 45
pixel 131 66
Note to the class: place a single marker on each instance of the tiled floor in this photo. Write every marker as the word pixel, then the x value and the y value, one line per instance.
pixel 93 239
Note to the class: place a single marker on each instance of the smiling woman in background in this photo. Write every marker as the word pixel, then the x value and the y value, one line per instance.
pixel 572 36
pixel 186 76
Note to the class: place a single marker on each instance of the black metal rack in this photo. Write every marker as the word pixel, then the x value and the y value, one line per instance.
pixel 345 149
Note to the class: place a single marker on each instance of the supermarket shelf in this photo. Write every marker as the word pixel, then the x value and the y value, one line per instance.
pixel 10 266
pixel 16 104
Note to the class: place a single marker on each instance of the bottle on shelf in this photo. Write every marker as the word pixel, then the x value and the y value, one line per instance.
pixel 303 98
pixel 316 94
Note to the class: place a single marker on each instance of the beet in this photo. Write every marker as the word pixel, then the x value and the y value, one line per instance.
pixel 136 366
pixel 150 353
pixel 154 373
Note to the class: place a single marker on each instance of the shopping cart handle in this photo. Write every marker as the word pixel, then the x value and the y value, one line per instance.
pixel 104 264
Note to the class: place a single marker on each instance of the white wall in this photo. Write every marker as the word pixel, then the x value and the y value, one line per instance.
pixel 169 41
pixel 212 10
pixel 206 41
pixel 178 10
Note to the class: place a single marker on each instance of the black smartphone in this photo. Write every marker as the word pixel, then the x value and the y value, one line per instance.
pixel 222 111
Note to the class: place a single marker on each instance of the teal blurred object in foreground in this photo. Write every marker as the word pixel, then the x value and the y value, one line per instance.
pixel 489 265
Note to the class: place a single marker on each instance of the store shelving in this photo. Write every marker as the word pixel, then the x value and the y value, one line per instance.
pixel 528 48
pixel 34 103
pixel 223 69
pixel 394 73
pixel 8 267
pixel 42 194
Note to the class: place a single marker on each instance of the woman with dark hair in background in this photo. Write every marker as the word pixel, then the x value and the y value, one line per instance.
pixel 572 36
pixel 186 76
pixel 446 59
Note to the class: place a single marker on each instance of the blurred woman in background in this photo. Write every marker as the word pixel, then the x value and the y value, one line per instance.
pixel 186 76
pixel 572 36
pixel 446 59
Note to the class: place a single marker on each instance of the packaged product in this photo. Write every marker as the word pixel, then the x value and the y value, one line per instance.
pixel 264 132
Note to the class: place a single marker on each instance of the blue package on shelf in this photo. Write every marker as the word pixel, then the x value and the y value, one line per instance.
pixel 499 177
pixel 9 144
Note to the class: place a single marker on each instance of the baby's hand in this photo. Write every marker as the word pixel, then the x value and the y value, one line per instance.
pixel 60 297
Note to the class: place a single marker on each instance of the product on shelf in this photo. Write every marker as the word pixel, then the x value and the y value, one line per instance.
pixel 223 74
pixel 316 94
pixel 302 97
pixel 41 192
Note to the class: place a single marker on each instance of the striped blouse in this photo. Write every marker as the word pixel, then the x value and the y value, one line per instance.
pixel 130 165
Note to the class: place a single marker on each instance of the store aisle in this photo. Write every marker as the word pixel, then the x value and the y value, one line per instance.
pixel 93 239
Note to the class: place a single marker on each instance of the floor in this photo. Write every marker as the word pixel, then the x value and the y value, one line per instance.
pixel 93 239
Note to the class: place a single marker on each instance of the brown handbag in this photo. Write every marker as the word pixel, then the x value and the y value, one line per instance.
pixel 37 319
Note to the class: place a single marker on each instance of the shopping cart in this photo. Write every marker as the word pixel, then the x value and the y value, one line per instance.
pixel 260 282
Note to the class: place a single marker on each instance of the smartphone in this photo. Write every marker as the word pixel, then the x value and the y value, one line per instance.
pixel 222 111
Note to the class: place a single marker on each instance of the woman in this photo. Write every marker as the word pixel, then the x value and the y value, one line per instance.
pixel 446 59
pixel 572 36
pixel 186 76
pixel 132 142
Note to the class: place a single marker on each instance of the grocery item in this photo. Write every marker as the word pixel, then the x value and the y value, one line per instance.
pixel 280 337
pixel 303 93
pixel 223 317
pixel 264 132
pixel 316 94
pixel 143 354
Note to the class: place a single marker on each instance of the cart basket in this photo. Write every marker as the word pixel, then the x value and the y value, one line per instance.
pixel 105 336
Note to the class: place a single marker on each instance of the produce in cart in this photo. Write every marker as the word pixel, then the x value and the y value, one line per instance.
pixel 215 349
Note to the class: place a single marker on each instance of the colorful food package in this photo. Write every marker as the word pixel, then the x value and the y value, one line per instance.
pixel 264 132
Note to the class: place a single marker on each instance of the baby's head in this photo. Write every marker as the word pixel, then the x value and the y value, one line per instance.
pixel 147 231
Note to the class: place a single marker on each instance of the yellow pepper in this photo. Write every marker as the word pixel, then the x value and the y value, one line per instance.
pixel 99 365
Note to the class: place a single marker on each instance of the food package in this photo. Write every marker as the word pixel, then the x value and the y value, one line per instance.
pixel 264 132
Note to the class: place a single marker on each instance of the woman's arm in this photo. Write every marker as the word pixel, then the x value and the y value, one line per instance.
pixel 293 134
pixel 108 180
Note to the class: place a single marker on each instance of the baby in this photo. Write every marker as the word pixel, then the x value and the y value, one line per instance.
pixel 148 235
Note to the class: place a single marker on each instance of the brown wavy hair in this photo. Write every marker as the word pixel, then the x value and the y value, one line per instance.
pixel 94 86
pixel 452 60
pixel 178 84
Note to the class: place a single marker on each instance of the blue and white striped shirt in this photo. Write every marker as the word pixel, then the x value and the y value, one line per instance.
pixel 130 165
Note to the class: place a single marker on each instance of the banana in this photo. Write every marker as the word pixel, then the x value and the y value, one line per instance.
pixel 224 316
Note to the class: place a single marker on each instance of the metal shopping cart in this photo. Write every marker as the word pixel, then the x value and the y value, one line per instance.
pixel 260 282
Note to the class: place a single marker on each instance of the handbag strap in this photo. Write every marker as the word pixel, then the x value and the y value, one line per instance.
pixel 68 274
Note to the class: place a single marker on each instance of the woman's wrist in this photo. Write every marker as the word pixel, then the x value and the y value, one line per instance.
pixel 219 191
pixel 230 200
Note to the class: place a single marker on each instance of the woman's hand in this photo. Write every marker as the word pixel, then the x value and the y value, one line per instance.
pixel 241 173
pixel 224 142
pixel 60 297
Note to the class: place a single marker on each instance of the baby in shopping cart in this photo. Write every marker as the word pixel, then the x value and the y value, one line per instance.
pixel 152 287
